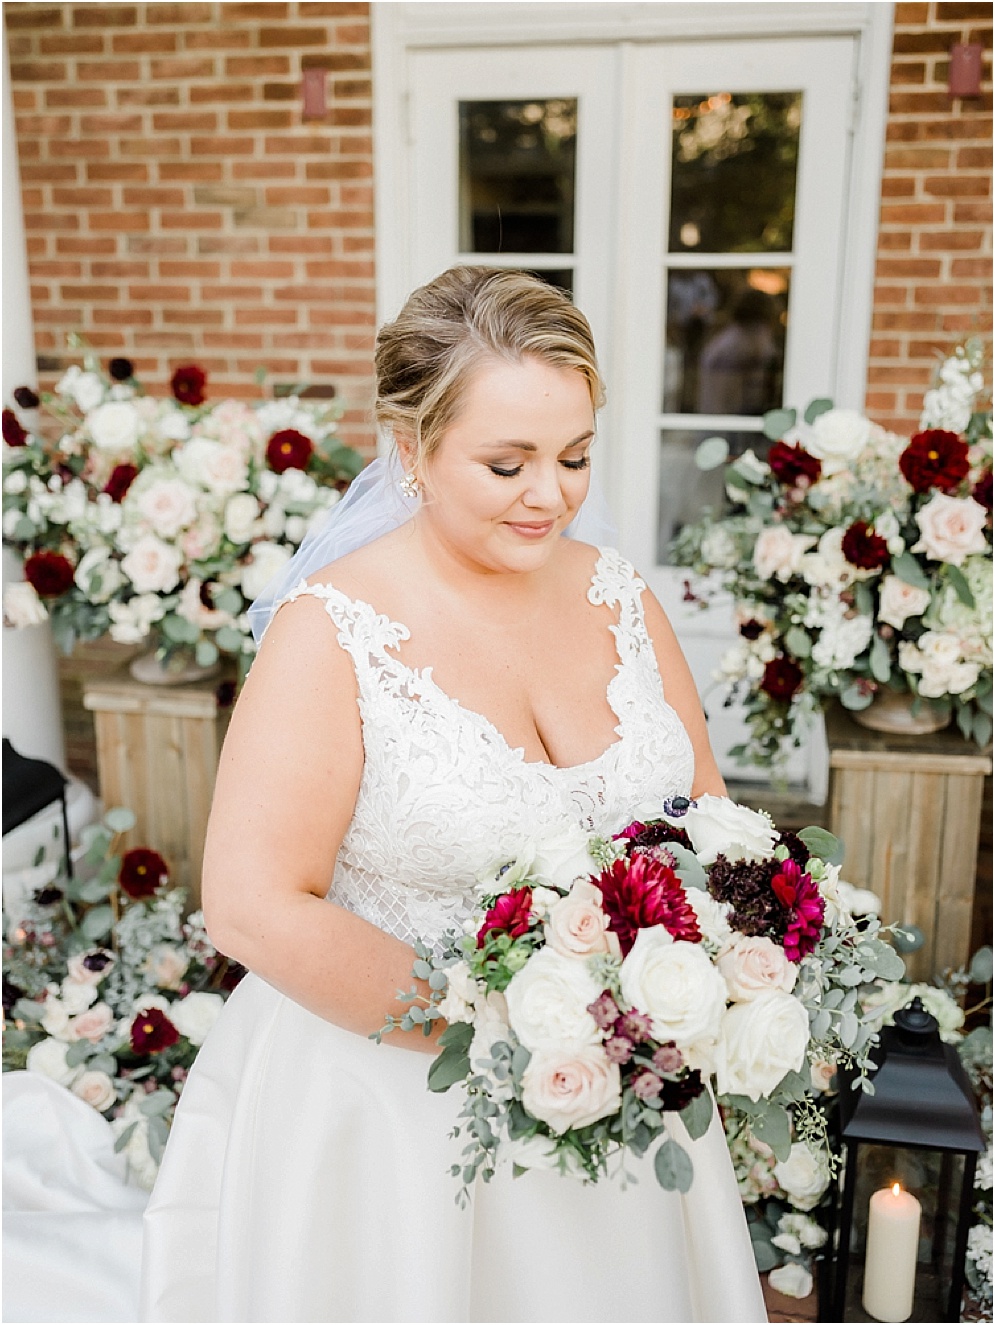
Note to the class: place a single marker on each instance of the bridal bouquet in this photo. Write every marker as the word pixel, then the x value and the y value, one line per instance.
pixel 606 984
pixel 163 516
pixel 857 561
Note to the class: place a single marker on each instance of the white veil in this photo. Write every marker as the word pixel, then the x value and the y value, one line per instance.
pixel 374 505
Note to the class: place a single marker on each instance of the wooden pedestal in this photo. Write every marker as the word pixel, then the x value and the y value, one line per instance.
pixel 908 810
pixel 157 754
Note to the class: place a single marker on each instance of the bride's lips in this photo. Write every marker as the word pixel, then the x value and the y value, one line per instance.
pixel 538 530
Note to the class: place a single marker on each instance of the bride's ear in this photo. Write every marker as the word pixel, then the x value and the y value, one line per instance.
pixel 405 444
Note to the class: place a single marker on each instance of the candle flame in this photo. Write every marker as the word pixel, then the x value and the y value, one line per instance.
pixel 895 1188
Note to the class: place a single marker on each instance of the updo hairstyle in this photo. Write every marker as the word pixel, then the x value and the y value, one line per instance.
pixel 425 358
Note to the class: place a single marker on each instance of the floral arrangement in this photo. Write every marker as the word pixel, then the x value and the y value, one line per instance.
pixel 585 1008
pixel 110 992
pixel 857 561
pixel 162 516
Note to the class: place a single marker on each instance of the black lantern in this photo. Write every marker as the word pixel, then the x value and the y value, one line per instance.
pixel 920 1127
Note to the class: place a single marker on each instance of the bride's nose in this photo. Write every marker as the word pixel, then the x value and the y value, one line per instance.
pixel 543 492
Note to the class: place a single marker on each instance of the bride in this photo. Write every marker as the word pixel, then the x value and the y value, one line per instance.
pixel 459 681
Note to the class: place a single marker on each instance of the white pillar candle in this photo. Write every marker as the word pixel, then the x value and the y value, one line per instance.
pixel 890 1263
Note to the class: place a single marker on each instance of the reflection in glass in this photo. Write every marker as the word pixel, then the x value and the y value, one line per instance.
pixel 734 163
pixel 724 344
pixel 561 277
pixel 685 490
pixel 516 175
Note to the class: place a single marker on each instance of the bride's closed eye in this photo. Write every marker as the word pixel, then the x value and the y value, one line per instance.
pixel 582 463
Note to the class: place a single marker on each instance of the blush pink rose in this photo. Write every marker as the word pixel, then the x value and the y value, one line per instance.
pixel 751 966
pixel 952 528
pixel 93 1024
pixel 577 926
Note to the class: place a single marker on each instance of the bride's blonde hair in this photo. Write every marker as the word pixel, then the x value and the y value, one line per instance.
pixel 425 357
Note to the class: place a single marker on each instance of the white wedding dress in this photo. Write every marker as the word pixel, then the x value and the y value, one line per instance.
pixel 307 1174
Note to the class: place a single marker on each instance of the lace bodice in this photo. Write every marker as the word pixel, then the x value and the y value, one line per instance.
pixel 444 797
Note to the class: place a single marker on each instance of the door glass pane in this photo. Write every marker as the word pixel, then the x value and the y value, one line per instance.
pixel 516 175
pixel 724 341
pixel 685 490
pixel 734 164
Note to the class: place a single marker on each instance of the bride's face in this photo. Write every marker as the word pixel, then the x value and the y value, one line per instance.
pixel 512 470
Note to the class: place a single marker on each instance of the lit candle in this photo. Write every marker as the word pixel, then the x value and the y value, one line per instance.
pixel 892 1244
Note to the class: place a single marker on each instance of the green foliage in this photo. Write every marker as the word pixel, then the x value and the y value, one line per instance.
pixel 673 1168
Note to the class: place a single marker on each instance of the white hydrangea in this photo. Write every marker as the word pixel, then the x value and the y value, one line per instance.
pixel 840 645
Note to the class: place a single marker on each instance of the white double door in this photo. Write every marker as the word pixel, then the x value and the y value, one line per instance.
pixel 675 188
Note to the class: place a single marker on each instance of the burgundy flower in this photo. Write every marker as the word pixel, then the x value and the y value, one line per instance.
pixel 288 449
pixel 793 466
pixel 604 1010
pixel 864 548
pixel 807 910
pixel 511 914
pixel 782 678
pixel 647 1085
pixel 645 837
pixel 188 384
pixel 751 629
pixel 49 573
pixel 152 1031
pixel 99 960
pixel 121 370
pixel 934 459
pixel 142 871
pixel 746 885
pixel 678 1094
pixel 982 491
pixel 618 1049
pixel 224 693
pixel 26 398
pixel 642 892
pixel 48 896
pixel 13 433
pixel 121 479
pixel 668 1058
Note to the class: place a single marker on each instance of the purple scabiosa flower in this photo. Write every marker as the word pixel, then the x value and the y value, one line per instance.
pixel 668 1058
pixel 604 1010
pixel 647 1085
pixel 619 1049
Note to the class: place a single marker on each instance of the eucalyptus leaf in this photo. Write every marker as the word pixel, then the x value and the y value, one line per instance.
pixel 119 820
pixel 96 924
pixel 452 1065
pixel 688 868
pixel 78 1052
pixel 880 660
pixel 92 890
pixel 104 1063
pixel 908 938
pixel 821 1024
pixel 227 600
pixel 697 1115
pixel 27 1010
pixel 125 1137
pixel 965 721
pixel 982 729
pixel 797 642
pixel 765 1253
pixel 673 1167
pixel 711 453
pixel 980 970
pixel 854 697
pixel 457 1035
pixel 156 1134
pixel 773 1127
pixel 960 585
pixel 777 422
pixel 885 961
pixel 159 1102
pixel 817 407
pixel 206 653
pixel 228 639
pixel 847 1029
pixel 908 569
pixel 863 599
pixel 824 844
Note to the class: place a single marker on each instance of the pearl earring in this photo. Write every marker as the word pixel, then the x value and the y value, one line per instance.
pixel 409 485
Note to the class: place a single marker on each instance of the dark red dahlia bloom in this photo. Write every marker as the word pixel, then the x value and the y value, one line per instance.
pixel 50 574
pixel 188 383
pixel 121 370
pixel 26 398
pixel 982 491
pixel 152 1031
pixel 142 871
pixel 864 548
pixel 782 678
pixel 639 893
pixel 793 464
pixel 934 459
pixel 288 449
pixel 511 914
pixel 121 479
pixel 678 1094
pixel 646 837
pixel 800 895
pixel 13 433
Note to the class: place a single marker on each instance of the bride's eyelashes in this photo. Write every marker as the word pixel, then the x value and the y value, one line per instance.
pixel 582 463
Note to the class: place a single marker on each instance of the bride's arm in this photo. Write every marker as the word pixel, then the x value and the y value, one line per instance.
pixel 286 789
pixel 682 696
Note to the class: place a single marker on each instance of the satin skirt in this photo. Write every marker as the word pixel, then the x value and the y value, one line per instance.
pixel 307 1179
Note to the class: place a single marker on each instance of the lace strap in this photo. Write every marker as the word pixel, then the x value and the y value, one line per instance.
pixel 363 632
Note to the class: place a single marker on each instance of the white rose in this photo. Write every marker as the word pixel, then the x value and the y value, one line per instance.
pixel 752 966
pixel 779 552
pixel 200 541
pixel 677 986
pixel 563 857
pixel 296 528
pixel 713 916
pixel 837 437
pixel 98 566
pixel 539 1152
pixel 548 1001
pixel 266 561
pixel 791 1279
pixel 571 1089
pixel 93 1024
pixel 194 1015
pixel 48 1058
pixel 718 548
pixel 115 426
pixel 15 482
pixel 241 513
pixel 899 601
pixel 717 826
pixel 543 901
pixel 858 901
pixel 55 1019
pixel 173 426
pixel 803 1176
pixel 166 966
pixel 95 1089
pixel 952 528
pixel 22 606
pixel 132 621
pixel 826 567
pixel 461 994
pixel 167 504
pixel 490 1027
pixel 751 466
pixel 219 468
pixel 142 1168
pixel 806 1231
pixel 842 642
pixel 762 1041
pixel 274 522
pixel 82 974
pixel 77 995
pixel 152 565
pixel 577 926
pixel 297 487
pixel 86 389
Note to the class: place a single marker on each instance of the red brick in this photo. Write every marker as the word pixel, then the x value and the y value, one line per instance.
pixel 267 316
pixel 135 172
pixel 917 43
pixel 281 91
pixel 190 220
pixel 149 43
pixel 358 243
pixel 917 158
pixel 923 268
pixel 262 270
pixel 265 170
pixel 31 16
pixel 299 195
pixel 969 268
pixel 83 197
pixel 240 13
pixel 155 244
pixel 146 147
pixel 958 186
pixel 356 195
pixel 260 119
pixel 69 269
pixel 148 294
pixel 195 317
pixel 946 294
pixel 352 87
pixel 85 247
pixel 230 39
pixel 43 126
pixel 168 121
pixel 972 212
pixel 969 157
pixel 219 145
pixel 148 96
pixel 300 244
pixel 47 172
pixel 233 340
pixel 336 61
pixel 105 16
pixel 71 43
pixel 227 244
pixel 352 116
pixel 325 270
pixel 942 241
pixel 189 170
pixel 976 128
pixel 890 294
pixel 352 34
pixel 108 71
pixel 110 124
pixel 335 8
pixel 898 187
pixel 172 340
pixel 119 269
pixel 197 270
pixel 339 169
pixel 218 294
pixel 240 66
pixel 38 71
pixel 105 294
pixel 954 11
pixel 296 146
pixel 58 97
pixel 88 148
pixel 912 213
pixel 294 37
pixel 153 197
pixel 183 67
pixel 24 98
pixel 179 15
pixel 885 349
pixel 345 220
pixel 211 92
pixel 50 221
pixel 125 317
pixel 123 221
pixel 61 313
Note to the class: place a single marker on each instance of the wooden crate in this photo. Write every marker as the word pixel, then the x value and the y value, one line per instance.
pixel 908 809
pixel 157 754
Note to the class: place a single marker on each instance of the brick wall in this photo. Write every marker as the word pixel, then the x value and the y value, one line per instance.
pixel 934 267
pixel 177 205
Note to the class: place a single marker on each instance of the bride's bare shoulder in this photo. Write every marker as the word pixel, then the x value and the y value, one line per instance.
pixel 372 567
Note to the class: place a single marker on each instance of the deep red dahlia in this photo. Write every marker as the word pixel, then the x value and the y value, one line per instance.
pixel 142 871
pixel 13 433
pixel 781 679
pixel 644 837
pixel 188 383
pixel 982 491
pixel 511 914
pixel 26 397
pixel 806 909
pixel 152 1031
pixel 864 548
pixel 288 449
pixel 792 464
pixel 121 479
pixel 642 892
pixel 934 459
pixel 50 574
